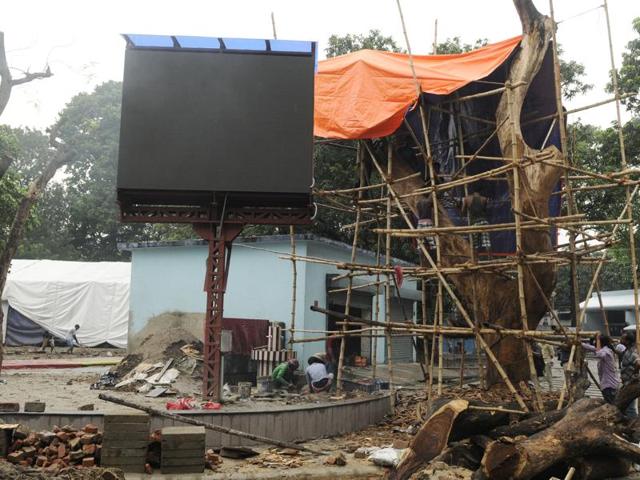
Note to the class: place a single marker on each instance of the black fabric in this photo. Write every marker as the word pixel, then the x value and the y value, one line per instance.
pixel 22 330
pixel 446 119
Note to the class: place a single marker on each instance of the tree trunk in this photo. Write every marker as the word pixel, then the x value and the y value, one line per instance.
pixel 497 296
pixel 19 221
pixel 587 428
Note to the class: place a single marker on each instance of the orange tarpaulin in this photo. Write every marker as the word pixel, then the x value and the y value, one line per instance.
pixel 365 94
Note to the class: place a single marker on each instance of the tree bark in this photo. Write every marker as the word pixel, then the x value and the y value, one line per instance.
pixel 496 297
pixel 20 218
pixel 587 428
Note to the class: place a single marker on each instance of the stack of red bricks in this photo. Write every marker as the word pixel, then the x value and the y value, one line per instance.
pixel 60 448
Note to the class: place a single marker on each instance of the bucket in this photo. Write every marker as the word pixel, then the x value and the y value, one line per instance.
pixel 265 385
pixel 244 389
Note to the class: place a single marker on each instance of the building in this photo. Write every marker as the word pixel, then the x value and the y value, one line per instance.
pixel 169 277
pixel 618 306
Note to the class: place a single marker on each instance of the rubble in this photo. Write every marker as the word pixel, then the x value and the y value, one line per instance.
pixel 337 459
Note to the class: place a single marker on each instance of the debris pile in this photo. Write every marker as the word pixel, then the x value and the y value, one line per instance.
pixel 279 458
pixel 55 450
pixel 161 356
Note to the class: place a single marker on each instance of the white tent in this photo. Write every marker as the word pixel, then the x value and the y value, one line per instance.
pixel 56 295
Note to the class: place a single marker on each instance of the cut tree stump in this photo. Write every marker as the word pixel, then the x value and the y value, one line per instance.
pixel 430 441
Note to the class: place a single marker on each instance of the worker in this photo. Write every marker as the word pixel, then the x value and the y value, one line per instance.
pixel 424 208
pixel 548 354
pixel 607 371
pixel 476 206
pixel 283 374
pixel 629 366
pixel 48 340
pixel 318 379
pixel 71 339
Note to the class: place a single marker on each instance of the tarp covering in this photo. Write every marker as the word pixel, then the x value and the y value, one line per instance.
pixel 21 330
pixel 366 94
pixel 56 295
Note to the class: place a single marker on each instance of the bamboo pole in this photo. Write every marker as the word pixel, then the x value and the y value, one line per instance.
pixel 570 201
pixel 453 331
pixel 520 268
pixel 623 161
pixel 374 353
pixel 294 270
pixel 473 260
pixel 387 287
pixel 347 306
pixel 209 426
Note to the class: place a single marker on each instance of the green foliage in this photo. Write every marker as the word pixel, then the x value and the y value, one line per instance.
pixel 629 73
pixel 374 40
pixel 571 79
pixel 455 45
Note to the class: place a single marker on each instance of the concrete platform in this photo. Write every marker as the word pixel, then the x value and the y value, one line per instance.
pixel 293 423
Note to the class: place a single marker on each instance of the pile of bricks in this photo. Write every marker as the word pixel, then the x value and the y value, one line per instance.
pixel 126 438
pixel 60 448
pixel 182 450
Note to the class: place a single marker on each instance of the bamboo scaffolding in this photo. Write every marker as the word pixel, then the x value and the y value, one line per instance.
pixel 381 210
pixel 450 291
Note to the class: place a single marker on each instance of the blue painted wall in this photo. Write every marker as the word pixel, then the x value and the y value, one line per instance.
pixel 170 279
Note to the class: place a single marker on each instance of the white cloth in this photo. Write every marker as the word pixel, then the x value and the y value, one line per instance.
pixel 316 372
pixel 58 295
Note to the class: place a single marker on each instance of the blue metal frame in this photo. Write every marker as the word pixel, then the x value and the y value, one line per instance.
pixel 221 44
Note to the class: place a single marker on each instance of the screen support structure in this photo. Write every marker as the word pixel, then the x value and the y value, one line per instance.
pixel 220 239
pixel 219 227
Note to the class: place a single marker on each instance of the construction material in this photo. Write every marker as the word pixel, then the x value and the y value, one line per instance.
pixel 183 450
pixel 51 451
pixel 209 426
pixel 125 442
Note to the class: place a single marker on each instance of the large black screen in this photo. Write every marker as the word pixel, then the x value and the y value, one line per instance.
pixel 216 121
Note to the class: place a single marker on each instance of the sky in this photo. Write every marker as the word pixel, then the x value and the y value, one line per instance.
pixel 81 40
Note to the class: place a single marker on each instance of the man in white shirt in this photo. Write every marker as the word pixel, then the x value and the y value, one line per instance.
pixel 317 377
pixel 71 339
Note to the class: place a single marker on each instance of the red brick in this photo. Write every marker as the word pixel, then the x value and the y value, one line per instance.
pixel 88 462
pixel 29 451
pixel 90 428
pixel 88 438
pixel 63 436
pixel 89 449
pixel 62 451
pixel 41 460
pixel 15 457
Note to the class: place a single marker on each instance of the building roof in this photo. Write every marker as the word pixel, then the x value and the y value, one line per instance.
pixel 248 241
pixel 612 300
